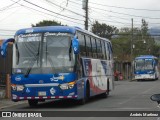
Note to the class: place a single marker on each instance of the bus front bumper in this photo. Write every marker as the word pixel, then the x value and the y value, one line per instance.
pixel 45 91
pixel 144 76
pixel 18 98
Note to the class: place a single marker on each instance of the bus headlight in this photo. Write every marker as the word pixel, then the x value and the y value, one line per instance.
pixel 151 75
pixel 20 87
pixel 17 87
pixel 71 85
pixel 67 86
pixel 64 86
pixel 13 86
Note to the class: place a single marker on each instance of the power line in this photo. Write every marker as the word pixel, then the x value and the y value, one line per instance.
pixel 7 30
pixel 74 5
pixel 111 15
pixel 110 18
pixel 141 9
pixel 124 13
pixel 5 35
pixel 120 17
pixel 114 21
pixel 124 7
pixel 65 8
pixel 8 15
pixel 119 12
pixel 77 4
pixel 50 10
pixel 125 34
pixel 46 13
pixel 111 21
pixel 106 20
pixel 6 7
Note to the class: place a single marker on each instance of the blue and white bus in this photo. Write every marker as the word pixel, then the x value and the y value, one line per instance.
pixel 60 62
pixel 146 68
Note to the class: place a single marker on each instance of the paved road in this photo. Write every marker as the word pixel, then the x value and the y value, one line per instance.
pixel 127 96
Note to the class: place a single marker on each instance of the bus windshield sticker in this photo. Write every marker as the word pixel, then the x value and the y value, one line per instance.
pixel 28 38
pixel 52 91
pixel 56 34
pixel 29 30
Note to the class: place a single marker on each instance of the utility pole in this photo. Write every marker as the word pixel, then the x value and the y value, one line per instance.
pixel 132 50
pixel 85 7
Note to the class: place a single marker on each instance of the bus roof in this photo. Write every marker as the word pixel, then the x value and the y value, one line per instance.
pixel 63 29
pixel 145 56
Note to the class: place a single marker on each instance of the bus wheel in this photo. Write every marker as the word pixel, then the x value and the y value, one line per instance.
pixel 32 103
pixel 87 96
pixel 105 94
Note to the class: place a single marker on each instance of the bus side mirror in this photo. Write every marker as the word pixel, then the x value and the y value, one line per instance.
pixel 75 45
pixel 155 97
pixel 4 46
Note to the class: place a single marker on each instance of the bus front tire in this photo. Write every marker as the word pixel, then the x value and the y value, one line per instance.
pixel 104 95
pixel 87 96
pixel 32 103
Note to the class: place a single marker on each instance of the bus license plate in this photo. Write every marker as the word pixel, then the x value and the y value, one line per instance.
pixel 41 93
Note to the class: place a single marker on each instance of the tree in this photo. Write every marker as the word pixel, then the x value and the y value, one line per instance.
pixel 144 27
pixel 47 23
pixel 122 45
pixel 144 43
pixel 103 30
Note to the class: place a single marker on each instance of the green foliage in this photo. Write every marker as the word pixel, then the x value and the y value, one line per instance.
pixel 47 23
pixel 103 30
pixel 144 43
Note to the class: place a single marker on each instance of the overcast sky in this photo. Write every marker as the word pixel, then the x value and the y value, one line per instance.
pixel 17 14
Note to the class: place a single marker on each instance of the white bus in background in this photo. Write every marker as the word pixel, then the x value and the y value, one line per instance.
pixel 146 68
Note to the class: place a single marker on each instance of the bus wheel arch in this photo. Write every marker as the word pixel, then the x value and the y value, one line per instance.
pixel 87 90
pixel 108 86
pixel 106 93
pixel 86 93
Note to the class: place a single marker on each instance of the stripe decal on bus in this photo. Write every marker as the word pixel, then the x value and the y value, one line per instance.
pixel 46 97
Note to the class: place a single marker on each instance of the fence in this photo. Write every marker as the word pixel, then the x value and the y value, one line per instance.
pixel 124 68
pixel 5 66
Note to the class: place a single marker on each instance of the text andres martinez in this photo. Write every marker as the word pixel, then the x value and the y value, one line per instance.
pixel 143 115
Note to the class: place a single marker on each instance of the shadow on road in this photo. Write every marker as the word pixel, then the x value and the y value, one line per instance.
pixel 146 80
pixel 61 104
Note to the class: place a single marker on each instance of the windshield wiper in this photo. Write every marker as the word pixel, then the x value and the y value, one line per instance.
pixel 36 58
pixel 17 52
pixel 70 50
pixel 29 69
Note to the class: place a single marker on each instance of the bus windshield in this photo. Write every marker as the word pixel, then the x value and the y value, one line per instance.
pixel 43 53
pixel 144 64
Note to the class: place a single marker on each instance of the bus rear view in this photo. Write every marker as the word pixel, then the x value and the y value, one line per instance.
pixel 146 68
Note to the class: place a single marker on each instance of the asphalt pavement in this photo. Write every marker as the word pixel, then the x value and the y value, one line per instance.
pixel 4 103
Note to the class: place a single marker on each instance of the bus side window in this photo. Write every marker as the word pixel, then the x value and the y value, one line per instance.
pixel 88 46
pixel 94 47
pixel 107 51
pixel 101 53
pixel 103 50
pixel 110 50
pixel 85 54
pixel 91 48
pixel 82 44
pixel 99 50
